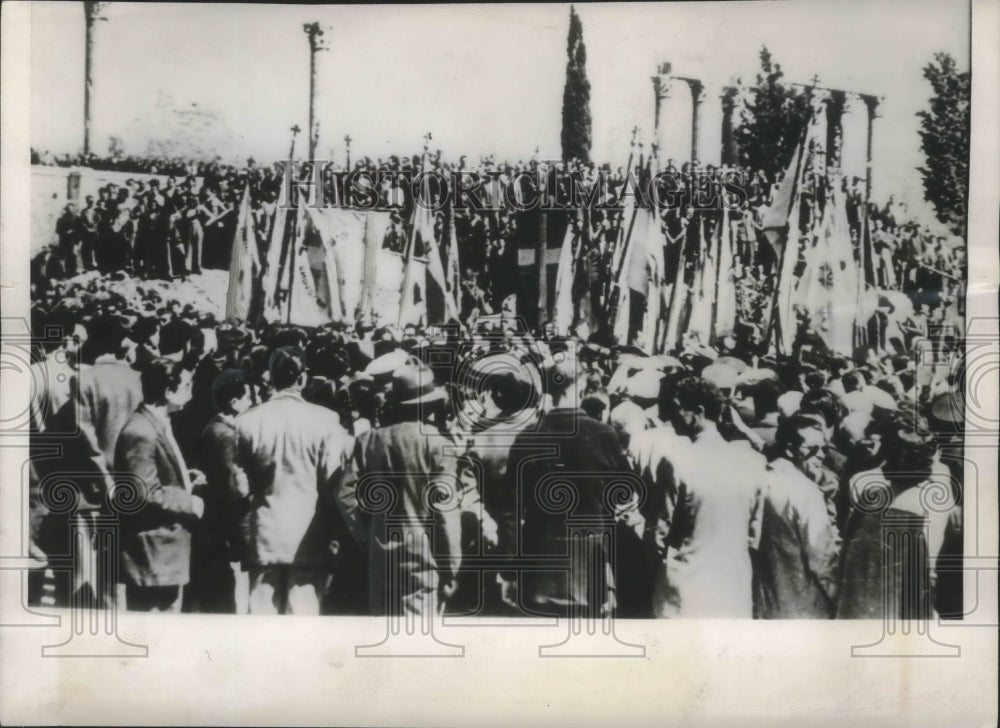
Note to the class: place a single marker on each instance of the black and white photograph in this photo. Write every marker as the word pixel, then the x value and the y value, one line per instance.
pixel 455 320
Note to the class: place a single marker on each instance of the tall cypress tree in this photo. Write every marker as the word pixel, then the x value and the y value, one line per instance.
pixel 576 138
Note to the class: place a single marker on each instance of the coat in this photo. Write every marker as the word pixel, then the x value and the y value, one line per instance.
pixel 224 491
pixel 104 396
pixel 704 500
pixel 562 472
pixel 408 489
pixel 294 457
pixel 899 527
pixel 488 457
pixel 155 540
pixel 799 548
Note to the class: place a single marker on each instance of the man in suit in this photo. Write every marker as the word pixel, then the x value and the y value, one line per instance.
pixel 217 584
pixel 703 498
pixel 68 230
pixel 156 538
pixel 105 395
pixel 102 396
pixel 88 233
pixel 409 491
pixel 293 455
pixel 560 473
pixel 511 407
pixel 799 544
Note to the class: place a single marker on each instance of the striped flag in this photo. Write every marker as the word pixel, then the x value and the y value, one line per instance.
pixel 243 264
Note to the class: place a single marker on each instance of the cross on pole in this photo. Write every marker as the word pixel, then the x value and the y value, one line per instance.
pixel 347 146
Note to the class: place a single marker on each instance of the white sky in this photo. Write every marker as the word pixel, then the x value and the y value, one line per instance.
pixel 482 78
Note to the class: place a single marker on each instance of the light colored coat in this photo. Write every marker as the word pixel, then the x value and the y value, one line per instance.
pixel 706 492
pixel 293 455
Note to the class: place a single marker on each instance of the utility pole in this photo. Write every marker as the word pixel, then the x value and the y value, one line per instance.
pixel 317 43
pixel 347 146
pixel 91 14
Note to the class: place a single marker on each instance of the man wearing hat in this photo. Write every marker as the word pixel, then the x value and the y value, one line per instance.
pixel 294 457
pixel 409 498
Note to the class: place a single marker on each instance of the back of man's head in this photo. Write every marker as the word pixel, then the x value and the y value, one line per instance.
pixel 286 365
pixel 696 394
pixel 230 384
pixel 157 378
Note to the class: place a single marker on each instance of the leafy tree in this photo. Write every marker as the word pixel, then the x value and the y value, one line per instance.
pixel 944 136
pixel 576 132
pixel 771 121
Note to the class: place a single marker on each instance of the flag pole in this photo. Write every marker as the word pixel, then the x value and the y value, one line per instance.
pixel 411 243
pixel 771 325
pixel 608 289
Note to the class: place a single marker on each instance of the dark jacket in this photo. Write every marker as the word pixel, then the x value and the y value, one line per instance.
pixel 563 472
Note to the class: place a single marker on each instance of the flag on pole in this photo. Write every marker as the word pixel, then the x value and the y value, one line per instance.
pixel 679 293
pixel 725 285
pixel 276 253
pixel 650 242
pixel 621 294
pixel 243 264
pixel 425 297
pixel 780 223
pixel 373 237
pixel 703 289
pixel 832 280
pixel 565 276
pixel 452 266
pixel 313 299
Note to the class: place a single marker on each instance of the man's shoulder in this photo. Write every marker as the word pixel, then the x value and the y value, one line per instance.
pixel 219 427
pixel 138 425
pixel 285 409
pixel 786 483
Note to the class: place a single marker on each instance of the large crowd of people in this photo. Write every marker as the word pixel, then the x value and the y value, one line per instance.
pixel 168 229
pixel 362 468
